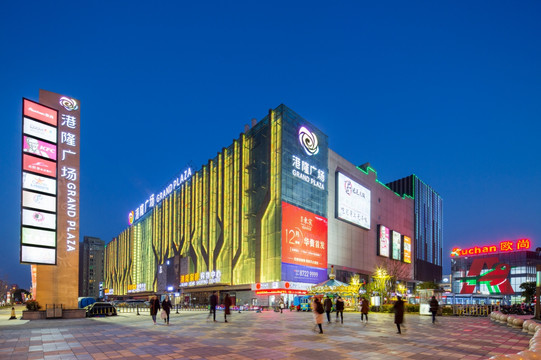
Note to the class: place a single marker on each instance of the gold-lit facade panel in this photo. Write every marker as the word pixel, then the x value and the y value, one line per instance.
pixel 225 218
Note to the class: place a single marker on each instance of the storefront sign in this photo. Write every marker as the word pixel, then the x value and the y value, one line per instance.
pixel 503 246
pixel 201 278
pixel 154 199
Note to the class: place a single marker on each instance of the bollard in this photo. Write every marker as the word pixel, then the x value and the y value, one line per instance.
pixel 137 309
pixel 13 317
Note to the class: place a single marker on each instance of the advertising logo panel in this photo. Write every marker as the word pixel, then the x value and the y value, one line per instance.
pixel 40 112
pixel 489 276
pixel 383 241
pixel 39 219
pixel 397 246
pixel 353 201
pixel 39 201
pixel 407 249
pixel 38 237
pixel 39 166
pixel 304 237
pixel 39 183
pixel 39 148
pixel 304 164
pixel 38 255
pixel 39 130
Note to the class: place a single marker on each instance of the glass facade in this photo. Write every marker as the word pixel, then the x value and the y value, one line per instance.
pixel 428 242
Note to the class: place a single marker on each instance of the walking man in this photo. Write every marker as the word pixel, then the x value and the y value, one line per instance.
pixel 340 309
pixel 398 313
pixel 434 308
pixel 327 305
pixel 213 301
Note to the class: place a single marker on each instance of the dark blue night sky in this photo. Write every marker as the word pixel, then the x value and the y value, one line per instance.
pixel 449 91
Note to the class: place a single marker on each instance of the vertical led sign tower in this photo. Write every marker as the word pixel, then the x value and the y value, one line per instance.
pixel 59 284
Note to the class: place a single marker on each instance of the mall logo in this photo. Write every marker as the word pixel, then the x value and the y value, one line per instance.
pixel 308 141
pixel 68 104
pixel 495 276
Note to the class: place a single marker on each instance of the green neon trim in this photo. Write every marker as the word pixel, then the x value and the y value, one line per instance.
pixel 369 168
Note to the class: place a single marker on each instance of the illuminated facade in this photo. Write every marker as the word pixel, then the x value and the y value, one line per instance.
pixel 268 215
pixel 495 270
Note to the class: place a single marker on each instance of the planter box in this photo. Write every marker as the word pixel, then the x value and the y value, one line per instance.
pixel 33 315
pixel 73 313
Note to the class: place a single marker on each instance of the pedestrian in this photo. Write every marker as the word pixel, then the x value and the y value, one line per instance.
pixel 227 305
pixel 317 309
pixel 364 309
pixel 398 313
pixel 433 308
pixel 340 309
pixel 154 307
pixel 166 307
pixel 327 304
pixel 213 301
pixel 282 305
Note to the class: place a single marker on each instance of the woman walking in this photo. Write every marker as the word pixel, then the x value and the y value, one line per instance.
pixel 154 307
pixel 364 309
pixel 317 309
pixel 166 306
pixel 227 305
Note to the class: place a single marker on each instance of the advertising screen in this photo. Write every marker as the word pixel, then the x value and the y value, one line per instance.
pixel 397 246
pixel 38 255
pixel 40 112
pixel 39 201
pixel 39 183
pixel 39 148
pixel 304 237
pixel 38 237
pixel 39 130
pixel 39 166
pixel 383 241
pixel 353 201
pixel 39 219
pixel 407 249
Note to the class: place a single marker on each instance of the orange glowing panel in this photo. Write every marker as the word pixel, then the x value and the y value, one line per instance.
pixel 304 237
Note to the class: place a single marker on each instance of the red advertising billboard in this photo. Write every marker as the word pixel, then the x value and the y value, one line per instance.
pixel 38 147
pixel 304 237
pixel 40 112
pixel 39 166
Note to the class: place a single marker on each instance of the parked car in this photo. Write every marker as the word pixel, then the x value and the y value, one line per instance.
pixel 100 309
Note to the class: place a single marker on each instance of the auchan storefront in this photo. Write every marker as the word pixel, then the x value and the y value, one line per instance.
pixel 493 272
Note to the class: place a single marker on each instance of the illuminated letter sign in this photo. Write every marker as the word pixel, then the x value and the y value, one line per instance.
pixel 503 246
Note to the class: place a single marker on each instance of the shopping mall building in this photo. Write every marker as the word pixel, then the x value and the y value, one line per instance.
pixel 267 218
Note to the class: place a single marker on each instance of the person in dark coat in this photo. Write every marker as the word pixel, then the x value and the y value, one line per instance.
pixel 154 307
pixel 227 305
pixel 166 306
pixel 364 309
pixel 398 313
pixel 213 301
pixel 327 305
pixel 434 308
pixel 340 309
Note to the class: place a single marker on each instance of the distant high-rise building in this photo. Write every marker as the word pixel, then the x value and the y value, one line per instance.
pixel 91 258
pixel 428 242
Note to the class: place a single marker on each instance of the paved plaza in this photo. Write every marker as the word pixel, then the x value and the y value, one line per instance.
pixel 250 335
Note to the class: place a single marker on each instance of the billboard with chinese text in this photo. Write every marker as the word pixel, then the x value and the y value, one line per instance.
pixel 39 166
pixel 352 201
pixel 39 130
pixel 383 241
pixel 304 245
pixel 397 246
pixel 407 249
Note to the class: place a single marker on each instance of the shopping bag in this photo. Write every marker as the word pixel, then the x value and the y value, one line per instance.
pixel 163 315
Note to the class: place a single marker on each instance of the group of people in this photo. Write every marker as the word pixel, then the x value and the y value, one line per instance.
pixel 213 301
pixel 166 307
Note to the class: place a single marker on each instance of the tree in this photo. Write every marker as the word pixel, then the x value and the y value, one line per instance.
pixel 396 271
pixel 529 291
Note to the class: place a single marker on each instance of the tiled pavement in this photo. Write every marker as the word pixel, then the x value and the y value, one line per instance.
pixel 250 335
